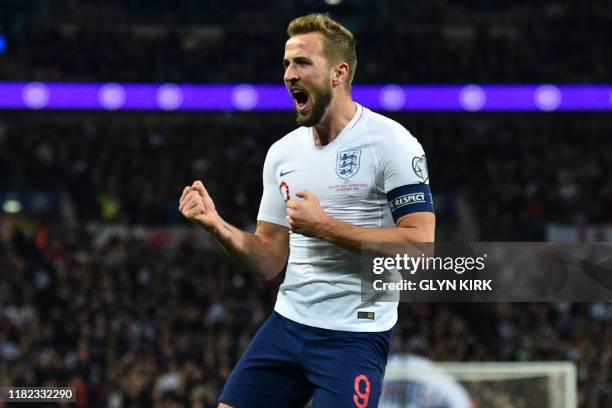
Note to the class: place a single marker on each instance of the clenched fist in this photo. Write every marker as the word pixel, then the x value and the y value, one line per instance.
pixel 306 217
pixel 196 205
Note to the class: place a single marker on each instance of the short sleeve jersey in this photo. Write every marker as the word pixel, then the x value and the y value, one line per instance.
pixel 351 176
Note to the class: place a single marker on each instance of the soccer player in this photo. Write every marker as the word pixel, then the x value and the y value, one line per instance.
pixel 326 190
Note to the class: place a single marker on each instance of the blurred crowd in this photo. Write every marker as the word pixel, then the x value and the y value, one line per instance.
pixel 513 171
pixel 132 170
pixel 242 41
pixel 131 322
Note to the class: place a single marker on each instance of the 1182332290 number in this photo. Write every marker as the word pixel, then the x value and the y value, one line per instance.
pixel 42 394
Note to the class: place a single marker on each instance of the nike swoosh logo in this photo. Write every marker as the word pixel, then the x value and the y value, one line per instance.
pixel 283 174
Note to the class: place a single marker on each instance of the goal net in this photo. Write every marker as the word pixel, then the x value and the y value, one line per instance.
pixel 414 382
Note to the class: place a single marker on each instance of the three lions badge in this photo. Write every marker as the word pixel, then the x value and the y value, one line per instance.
pixel 347 163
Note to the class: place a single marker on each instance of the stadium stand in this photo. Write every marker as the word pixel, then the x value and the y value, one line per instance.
pixel 131 321
pixel 425 41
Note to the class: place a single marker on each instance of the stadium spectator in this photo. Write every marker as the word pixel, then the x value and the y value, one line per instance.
pixel 135 326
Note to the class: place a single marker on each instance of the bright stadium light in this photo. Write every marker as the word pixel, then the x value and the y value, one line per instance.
pixel 547 97
pixel 245 97
pixel 11 206
pixel 333 2
pixel 112 96
pixel 35 95
pixel 3 44
pixel 169 97
pixel 274 97
pixel 472 98
pixel 392 97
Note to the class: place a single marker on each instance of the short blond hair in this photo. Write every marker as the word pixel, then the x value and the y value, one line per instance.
pixel 339 45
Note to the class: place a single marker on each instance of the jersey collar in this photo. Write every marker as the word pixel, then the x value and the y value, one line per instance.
pixel 357 117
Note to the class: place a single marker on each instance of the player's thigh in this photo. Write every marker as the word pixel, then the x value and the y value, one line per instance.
pixel 269 373
pixel 348 371
pixel 266 385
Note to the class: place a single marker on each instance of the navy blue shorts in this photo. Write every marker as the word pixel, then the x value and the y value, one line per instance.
pixel 288 363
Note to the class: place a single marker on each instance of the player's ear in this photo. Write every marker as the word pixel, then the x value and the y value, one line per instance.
pixel 340 73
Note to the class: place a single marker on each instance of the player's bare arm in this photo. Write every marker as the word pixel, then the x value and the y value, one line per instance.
pixel 264 252
pixel 307 217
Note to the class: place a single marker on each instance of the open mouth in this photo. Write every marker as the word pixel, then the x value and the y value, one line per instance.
pixel 301 98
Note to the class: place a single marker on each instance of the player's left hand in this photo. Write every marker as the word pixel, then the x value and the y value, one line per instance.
pixel 306 217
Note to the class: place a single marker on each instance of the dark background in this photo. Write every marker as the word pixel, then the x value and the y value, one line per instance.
pixel 141 316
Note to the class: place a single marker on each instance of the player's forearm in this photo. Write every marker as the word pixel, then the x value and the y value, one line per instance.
pixel 351 237
pixel 249 250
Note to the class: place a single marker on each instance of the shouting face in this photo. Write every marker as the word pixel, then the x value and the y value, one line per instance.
pixel 307 77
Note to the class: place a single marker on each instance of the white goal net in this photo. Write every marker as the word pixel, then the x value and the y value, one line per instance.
pixel 414 382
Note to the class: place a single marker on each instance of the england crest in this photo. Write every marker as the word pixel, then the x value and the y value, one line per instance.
pixel 347 163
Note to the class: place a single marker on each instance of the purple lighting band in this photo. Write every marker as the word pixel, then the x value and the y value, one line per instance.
pixel 260 97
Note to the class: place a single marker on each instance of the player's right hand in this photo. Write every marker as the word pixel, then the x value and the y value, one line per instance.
pixel 196 205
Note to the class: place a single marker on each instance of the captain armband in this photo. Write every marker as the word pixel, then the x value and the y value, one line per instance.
pixel 410 199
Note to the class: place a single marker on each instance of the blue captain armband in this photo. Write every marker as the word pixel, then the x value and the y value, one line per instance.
pixel 410 199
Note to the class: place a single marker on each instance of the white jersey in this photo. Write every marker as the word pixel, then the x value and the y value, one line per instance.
pixel 350 176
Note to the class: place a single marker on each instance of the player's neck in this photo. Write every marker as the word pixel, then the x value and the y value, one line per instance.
pixel 339 114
